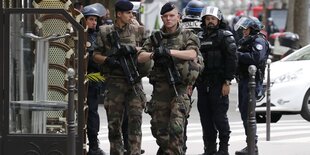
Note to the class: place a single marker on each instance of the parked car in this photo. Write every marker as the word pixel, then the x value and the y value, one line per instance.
pixel 283 44
pixel 290 87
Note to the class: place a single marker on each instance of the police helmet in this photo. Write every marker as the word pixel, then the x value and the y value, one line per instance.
pixel 249 22
pixel 212 11
pixel 95 9
pixel 193 9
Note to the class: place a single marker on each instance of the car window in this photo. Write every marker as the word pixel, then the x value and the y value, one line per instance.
pixel 301 54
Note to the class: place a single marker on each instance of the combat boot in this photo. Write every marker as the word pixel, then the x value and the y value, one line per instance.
pixel 210 149
pixel 223 150
pixel 126 153
pixel 94 147
pixel 142 151
pixel 97 151
pixel 244 151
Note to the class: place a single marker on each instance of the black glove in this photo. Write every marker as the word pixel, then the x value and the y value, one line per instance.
pixel 161 52
pixel 127 50
pixel 162 56
pixel 112 61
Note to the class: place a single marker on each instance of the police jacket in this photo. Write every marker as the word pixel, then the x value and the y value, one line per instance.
pixel 91 39
pixel 218 49
pixel 253 50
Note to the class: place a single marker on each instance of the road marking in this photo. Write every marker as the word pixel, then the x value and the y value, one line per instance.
pixel 284 131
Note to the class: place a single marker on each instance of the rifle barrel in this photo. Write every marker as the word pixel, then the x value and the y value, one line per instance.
pixel 172 81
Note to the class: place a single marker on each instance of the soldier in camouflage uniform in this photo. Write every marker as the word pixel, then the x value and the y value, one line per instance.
pixel 170 103
pixel 119 92
pixel 191 21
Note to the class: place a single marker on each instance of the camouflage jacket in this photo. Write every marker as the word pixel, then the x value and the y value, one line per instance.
pixel 182 39
pixel 131 35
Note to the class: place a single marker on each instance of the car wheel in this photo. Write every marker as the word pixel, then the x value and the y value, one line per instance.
pixel 305 111
pixel 260 118
pixel 275 117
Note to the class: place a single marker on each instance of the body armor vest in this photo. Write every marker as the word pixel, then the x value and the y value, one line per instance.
pixel 189 70
pixel 128 36
pixel 211 50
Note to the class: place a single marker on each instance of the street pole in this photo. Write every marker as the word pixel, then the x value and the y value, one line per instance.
pixel 265 12
pixel 71 146
pixel 251 111
pixel 268 104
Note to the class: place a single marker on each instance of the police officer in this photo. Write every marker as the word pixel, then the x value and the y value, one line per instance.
pixel 192 13
pixel 96 82
pixel 253 50
pixel 192 22
pixel 120 92
pixel 174 70
pixel 271 27
pixel 218 48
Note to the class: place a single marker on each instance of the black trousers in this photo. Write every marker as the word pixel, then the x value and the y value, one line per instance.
pixel 243 97
pixel 93 99
pixel 213 107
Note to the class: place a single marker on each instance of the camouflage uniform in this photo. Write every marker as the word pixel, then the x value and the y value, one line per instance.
pixel 119 93
pixel 169 112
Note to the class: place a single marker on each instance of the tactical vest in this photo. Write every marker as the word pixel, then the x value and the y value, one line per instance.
pixel 189 70
pixel 130 35
pixel 212 50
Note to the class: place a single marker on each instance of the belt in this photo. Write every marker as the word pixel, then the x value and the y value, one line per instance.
pixel 95 77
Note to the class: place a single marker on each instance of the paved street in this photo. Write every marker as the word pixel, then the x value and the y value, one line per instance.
pixel 289 136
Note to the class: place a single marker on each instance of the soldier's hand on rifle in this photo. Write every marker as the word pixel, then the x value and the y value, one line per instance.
pixel 112 61
pixel 127 50
pixel 161 52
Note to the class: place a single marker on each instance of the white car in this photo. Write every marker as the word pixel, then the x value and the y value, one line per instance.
pixel 289 87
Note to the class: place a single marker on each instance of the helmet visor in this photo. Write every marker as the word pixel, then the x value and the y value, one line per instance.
pixel 243 23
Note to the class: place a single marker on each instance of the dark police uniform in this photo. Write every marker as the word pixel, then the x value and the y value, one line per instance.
pixel 218 50
pixel 95 81
pixel 95 87
pixel 253 51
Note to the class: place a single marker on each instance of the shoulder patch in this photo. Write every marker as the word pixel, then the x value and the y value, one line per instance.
pixel 259 47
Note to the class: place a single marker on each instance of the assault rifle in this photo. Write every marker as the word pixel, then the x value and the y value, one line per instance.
pixel 125 56
pixel 166 62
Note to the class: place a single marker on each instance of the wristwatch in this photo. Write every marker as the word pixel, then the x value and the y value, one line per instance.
pixel 227 82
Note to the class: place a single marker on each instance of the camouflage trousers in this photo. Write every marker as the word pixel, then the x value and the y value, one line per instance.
pixel 119 94
pixel 168 114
